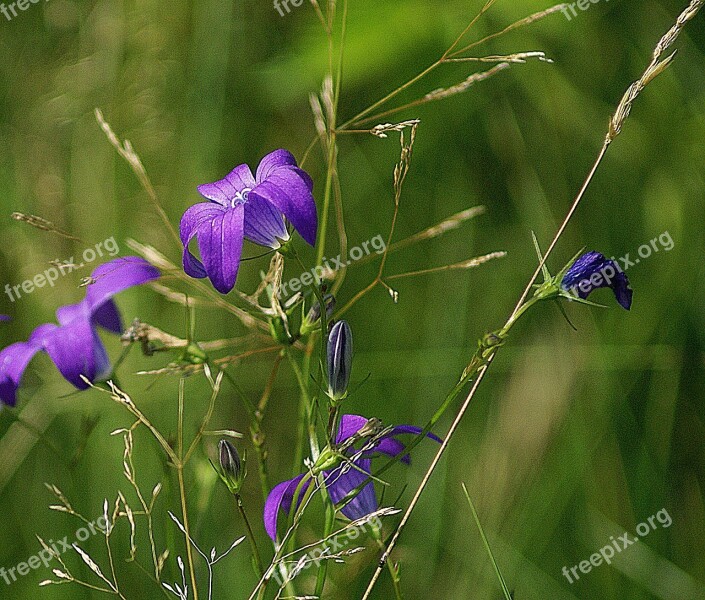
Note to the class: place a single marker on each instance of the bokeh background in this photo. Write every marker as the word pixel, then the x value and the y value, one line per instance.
pixel 575 436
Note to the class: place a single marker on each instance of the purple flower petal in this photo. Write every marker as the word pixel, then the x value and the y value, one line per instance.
pixel 108 317
pixel 196 216
pixel 220 242
pixel 622 291
pixel 274 160
pixel 281 497
pixel 341 481
pixel 592 271
pixel 414 431
pixel 5 318
pixel 116 276
pixel 264 223
pixel 393 447
pixel 75 349
pixel 389 445
pixel 225 190
pixel 349 426
pixel 289 191
pixel 106 314
pixel 71 312
pixel 13 363
pixel 305 176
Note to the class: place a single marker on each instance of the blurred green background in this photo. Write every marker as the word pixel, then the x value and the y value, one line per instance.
pixel 574 436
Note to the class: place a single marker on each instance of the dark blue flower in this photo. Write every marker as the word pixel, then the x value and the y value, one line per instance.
pixel 73 345
pixel 593 270
pixel 342 480
pixel 246 206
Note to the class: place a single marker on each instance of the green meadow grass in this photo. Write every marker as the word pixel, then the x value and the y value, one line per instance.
pixel 574 436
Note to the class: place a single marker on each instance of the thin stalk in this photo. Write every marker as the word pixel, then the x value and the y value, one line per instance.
pixel 486 544
pixel 259 447
pixel 182 489
pixel 306 408
pixel 250 535
pixel 256 433
pixel 327 530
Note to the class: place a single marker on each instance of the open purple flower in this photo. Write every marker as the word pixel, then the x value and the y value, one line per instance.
pixel 73 345
pixel 246 206
pixel 593 270
pixel 342 480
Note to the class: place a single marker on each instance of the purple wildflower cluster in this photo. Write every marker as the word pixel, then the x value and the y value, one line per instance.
pixel 257 207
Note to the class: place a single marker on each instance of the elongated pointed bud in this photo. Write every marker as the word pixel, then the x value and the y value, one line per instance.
pixel 340 352
pixel 231 467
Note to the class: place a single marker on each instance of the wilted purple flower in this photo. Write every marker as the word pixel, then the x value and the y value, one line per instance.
pixel 247 206
pixel 340 350
pixel 593 270
pixel 342 480
pixel 74 345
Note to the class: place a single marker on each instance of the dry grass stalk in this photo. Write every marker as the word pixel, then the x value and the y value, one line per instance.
pixel 516 58
pixel 466 264
pixel 463 86
pixel 521 23
pixel 128 153
pixel 383 129
pixel 43 225
pixel 655 68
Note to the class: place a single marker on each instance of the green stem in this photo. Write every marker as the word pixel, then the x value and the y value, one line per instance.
pixel 393 570
pixel 182 489
pixel 327 531
pixel 250 536
pixel 322 303
pixel 307 424
pixel 257 435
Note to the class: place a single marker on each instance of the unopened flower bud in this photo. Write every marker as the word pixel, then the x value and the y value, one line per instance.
pixel 315 313
pixel 232 470
pixel 340 351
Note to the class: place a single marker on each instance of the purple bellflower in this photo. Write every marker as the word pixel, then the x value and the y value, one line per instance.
pixel 342 480
pixel 246 206
pixel 593 270
pixel 73 345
